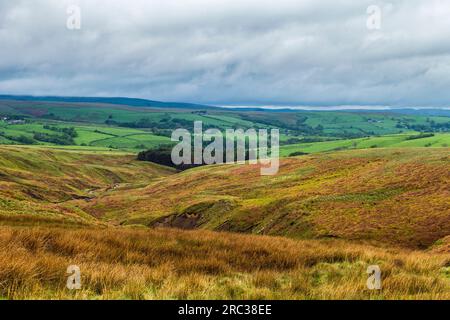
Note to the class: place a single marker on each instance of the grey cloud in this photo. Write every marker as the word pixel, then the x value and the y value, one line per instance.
pixel 230 51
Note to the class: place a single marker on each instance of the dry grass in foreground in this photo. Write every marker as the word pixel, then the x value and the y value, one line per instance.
pixel 173 264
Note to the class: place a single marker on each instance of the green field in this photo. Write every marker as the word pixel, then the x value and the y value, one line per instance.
pixel 133 129
pixel 88 135
pixel 101 137
pixel 388 141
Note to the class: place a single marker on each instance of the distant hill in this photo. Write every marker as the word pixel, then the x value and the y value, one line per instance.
pixel 134 102
pixel 422 112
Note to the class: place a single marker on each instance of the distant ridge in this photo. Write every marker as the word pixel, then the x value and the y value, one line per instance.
pixel 144 103
pixel 134 102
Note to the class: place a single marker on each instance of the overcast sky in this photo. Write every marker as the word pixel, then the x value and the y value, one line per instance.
pixel 230 52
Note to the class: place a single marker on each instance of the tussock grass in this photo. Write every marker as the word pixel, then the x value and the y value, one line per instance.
pixel 118 263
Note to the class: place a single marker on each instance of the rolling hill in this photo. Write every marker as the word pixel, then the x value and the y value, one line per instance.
pixel 35 183
pixel 298 128
pixel 133 102
pixel 411 140
pixel 114 217
pixel 397 196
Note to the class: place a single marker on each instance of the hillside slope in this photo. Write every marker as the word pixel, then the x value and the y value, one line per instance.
pixel 388 141
pixel 385 195
pixel 37 184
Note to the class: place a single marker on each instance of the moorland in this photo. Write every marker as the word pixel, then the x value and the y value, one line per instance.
pixel 354 189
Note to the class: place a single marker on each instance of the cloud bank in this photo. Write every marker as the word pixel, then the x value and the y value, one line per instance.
pixel 230 52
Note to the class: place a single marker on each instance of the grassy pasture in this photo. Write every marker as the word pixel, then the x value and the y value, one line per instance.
pixel 333 122
pixel 133 140
pixel 388 141
pixel 89 135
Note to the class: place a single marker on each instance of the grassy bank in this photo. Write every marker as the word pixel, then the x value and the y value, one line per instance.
pixel 173 264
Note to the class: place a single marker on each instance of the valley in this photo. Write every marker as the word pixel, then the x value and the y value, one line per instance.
pixel 225 159
pixel 353 190
pixel 396 196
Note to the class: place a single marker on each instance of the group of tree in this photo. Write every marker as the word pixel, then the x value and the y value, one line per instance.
pixel 146 123
pixel 164 127
pixel 63 140
pixel 163 156
pixel 420 136
pixel 63 136
pixel 429 126
pixel 69 131
pixel 22 139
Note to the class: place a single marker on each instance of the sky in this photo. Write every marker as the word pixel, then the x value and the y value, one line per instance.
pixel 230 52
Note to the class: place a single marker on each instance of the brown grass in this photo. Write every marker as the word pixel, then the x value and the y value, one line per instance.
pixel 118 263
